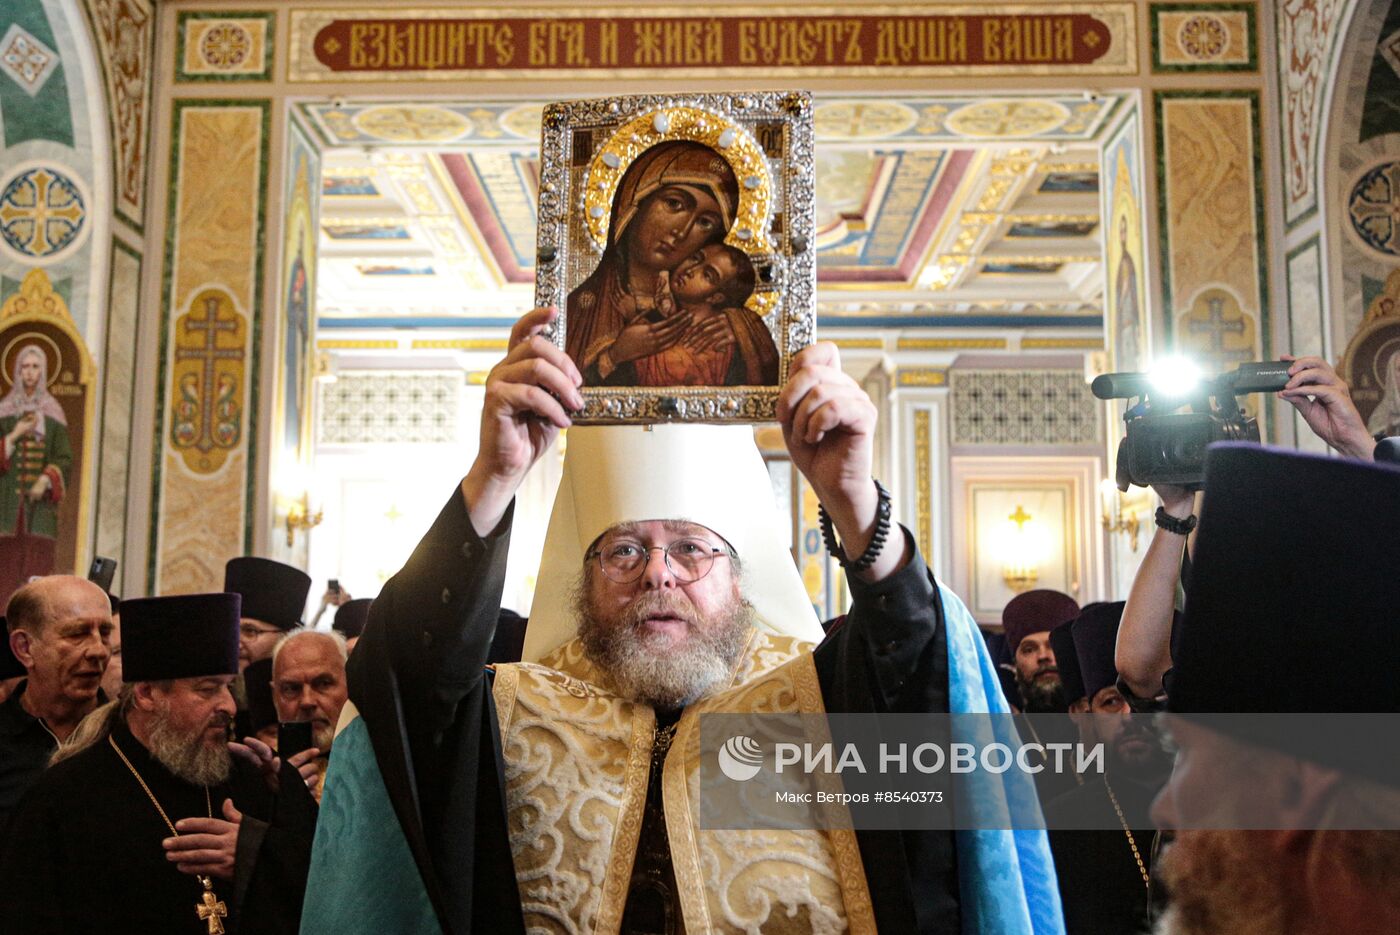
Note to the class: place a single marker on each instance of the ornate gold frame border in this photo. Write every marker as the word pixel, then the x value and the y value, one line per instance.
pixel 790 296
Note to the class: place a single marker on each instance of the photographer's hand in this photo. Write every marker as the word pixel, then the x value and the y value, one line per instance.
pixel 1324 401
pixel 1177 501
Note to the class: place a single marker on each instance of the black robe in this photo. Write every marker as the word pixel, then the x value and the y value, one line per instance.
pixel 1101 886
pixel 83 853
pixel 419 680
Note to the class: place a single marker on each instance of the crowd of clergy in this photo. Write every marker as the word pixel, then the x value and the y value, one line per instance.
pixel 142 788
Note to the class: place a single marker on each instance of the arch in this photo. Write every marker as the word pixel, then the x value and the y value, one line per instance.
pixel 1351 272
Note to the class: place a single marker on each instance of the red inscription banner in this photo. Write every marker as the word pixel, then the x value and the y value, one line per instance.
pixel 835 42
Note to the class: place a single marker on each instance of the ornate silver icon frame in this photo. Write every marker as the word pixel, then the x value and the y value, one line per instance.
pixel 617 155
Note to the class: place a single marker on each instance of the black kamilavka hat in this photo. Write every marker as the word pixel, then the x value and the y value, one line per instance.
pixel 186 636
pixel 273 592
pixel 1294 601
pixel 1037 611
pixel 1095 635
pixel 350 617
pixel 1062 644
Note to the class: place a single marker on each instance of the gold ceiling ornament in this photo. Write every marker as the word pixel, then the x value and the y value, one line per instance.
pixel 862 120
pixel 397 123
pixel 734 143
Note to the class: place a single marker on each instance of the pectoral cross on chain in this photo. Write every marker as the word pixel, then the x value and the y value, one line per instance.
pixel 212 910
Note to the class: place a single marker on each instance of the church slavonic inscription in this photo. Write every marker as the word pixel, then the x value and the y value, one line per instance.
pixel 1077 39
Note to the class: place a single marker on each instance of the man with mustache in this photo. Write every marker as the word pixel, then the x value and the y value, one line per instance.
pixel 308 684
pixel 1100 832
pixel 1027 621
pixel 274 599
pixel 558 793
pixel 60 631
pixel 147 821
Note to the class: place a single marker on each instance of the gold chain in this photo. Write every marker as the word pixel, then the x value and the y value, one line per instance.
pixel 208 803
pixel 1132 842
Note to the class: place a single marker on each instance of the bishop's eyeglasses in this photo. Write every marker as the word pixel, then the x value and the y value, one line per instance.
pixel 624 560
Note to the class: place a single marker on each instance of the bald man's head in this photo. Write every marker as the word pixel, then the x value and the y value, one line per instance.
pixel 40 602
pixel 60 631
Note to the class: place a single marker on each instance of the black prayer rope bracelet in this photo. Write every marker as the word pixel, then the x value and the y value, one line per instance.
pixel 877 541
pixel 1181 527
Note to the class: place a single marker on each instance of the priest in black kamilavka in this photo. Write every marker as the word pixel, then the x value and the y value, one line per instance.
pixel 150 820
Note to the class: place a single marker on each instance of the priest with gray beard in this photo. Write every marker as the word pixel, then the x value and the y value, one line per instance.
pixel 149 820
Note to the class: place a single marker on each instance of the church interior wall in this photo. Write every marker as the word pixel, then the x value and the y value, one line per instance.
pixel 57 224
pixel 1360 196
pixel 1216 225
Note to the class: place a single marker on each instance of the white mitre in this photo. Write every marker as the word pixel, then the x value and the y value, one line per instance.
pixel 707 474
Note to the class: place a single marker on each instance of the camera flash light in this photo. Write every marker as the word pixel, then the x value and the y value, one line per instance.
pixel 1174 376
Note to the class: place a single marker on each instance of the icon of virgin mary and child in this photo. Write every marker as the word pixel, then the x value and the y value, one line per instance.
pixel 665 305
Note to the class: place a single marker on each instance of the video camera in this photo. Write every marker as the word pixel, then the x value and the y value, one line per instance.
pixel 1169 447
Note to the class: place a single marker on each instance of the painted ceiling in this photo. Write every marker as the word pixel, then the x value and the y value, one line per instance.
pixel 924 205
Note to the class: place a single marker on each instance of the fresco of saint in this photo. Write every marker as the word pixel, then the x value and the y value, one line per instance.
pixel 34 467
pixel 1385 418
pixel 663 306
pixel 1128 347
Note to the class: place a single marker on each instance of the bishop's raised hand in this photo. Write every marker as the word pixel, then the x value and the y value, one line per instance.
pixel 529 395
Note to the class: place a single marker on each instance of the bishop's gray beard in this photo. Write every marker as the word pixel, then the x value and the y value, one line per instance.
pixel 187 757
pixel 646 667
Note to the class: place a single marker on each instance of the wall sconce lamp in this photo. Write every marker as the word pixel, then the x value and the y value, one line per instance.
pixel 299 516
pixel 324 368
pixel 1022 549
pixel 1120 512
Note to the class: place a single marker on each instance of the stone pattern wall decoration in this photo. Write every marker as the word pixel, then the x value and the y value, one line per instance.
pixel 1307 31
pixel 124 31
pixel 1204 37
pixel 211 316
pixel 1030 407
pixel 1210 192
pixel 233 46
pixel 382 407
pixel 43 212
